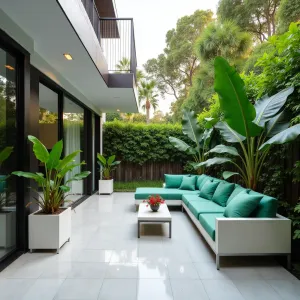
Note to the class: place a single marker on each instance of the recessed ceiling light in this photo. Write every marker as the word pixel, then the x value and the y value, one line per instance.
pixel 68 56
pixel 9 67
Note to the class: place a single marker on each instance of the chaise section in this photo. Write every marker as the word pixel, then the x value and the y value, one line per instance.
pixel 204 207
pixel 208 221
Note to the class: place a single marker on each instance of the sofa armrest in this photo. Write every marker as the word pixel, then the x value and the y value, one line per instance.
pixel 253 235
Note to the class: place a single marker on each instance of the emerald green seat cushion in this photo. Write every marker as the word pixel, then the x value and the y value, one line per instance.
pixel 242 205
pixel 188 183
pixel 173 181
pixel 208 189
pixel 222 193
pixel 267 207
pixel 166 194
pixel 208 221
pixel 204 207
pixel 186 198
pixel 201 181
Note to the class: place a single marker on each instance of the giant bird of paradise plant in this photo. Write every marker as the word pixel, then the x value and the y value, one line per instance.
pixel 254 127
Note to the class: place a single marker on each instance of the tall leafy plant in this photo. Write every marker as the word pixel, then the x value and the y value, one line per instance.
pixel 254 127
pixel 202 141
pixel 52 183
pixel 107 165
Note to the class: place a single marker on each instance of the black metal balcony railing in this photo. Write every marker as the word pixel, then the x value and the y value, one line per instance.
pixel 116 37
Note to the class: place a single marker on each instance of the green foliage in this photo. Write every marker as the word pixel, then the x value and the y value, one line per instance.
pixel 111 116
pixel 288 12
pixel 133 185
pixel 107 165
pixel 139 143
pixel 254 127
pixel 202 141
pixel 213 110
pixel 55 170
pixel 5 154
pixel 254 16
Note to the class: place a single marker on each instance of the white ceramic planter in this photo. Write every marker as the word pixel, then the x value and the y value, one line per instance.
pixel 49 231
pixel 106 186
pixel 7 228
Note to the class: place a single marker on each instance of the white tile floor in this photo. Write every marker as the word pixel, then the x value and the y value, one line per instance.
pixel 106 261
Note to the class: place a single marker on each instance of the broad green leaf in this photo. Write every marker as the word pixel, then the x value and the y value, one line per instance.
pixel 190 126
pixel 67 159
pixel 224 149
pixel 192 151
pixel 38 178
pixel 210 122
pixel 67 169
pixel 277 124
pixel 5 153
pixel 267 107
pixel 117 162
pixel 179 144
pixel 40 151
pixel 81 175
pixel 228 134
pixel 54 156
pixel 65 188
pixel 239 112
pixel 101 159
pixel 227 174
pixel 213 161
pixel 205 139
pixel 111 159
pixel 283 137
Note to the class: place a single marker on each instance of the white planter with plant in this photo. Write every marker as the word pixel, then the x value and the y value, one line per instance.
pixel 7 207
pixel 106 183
pixel 50 227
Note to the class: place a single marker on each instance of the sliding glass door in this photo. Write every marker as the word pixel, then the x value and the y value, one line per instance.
pixel 73 123
pixel 8 138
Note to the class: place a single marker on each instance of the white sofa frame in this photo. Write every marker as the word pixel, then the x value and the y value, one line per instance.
pixel 245 236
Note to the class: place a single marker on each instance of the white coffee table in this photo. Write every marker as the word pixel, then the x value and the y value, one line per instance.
pixel 146 215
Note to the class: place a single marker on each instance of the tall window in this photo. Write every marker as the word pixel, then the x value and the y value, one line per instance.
pixel 8 138
pixel 73 122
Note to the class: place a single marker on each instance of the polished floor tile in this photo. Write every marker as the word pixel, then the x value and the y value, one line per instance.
pixel 118 289
pixel 188 289
pixel 150 289
pixel 105 260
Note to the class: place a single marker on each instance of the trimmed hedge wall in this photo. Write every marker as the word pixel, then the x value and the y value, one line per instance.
pixel 140 143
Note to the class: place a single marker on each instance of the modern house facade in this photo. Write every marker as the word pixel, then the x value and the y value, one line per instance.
pixel 58 74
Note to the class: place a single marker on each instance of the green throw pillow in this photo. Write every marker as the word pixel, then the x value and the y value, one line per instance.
pixel 208 189
pixel 238 189
pixel 242 205
pixel 173 181
pixel 188 183
pixel 201 181
pixel 222 193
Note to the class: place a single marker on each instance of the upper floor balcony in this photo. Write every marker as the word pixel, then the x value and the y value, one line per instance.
pixel 115 35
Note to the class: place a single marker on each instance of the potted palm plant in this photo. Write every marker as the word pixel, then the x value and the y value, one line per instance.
pixel 7 207
pixel 106 183
pixel 50 226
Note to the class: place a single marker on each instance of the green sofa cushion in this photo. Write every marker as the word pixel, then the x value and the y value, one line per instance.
pixel 267 207
pixel 208 189
pixel 201 181
pixel 203 207
pixel 173 181
pixel 166 194
pixel 242 205
pixel 222 193
pixel 187 198
pixel 208 221
pixel 237 189
pixel 188 183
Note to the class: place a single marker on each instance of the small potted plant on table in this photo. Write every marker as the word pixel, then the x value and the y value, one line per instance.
pixel 50 227
pixel 155 202
pixel 106 183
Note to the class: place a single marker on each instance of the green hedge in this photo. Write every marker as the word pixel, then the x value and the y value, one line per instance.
pixel 139 143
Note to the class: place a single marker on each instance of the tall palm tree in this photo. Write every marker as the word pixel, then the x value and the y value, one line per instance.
pixel 148 97
pixel 123 66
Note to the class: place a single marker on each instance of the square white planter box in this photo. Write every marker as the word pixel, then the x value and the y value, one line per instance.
pixel 106 186
pixel 7 228
pixel 49 231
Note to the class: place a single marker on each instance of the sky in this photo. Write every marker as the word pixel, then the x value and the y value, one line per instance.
pixel 152 19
